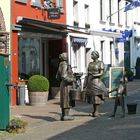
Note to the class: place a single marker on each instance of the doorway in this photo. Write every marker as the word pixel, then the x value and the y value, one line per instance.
pixel 50 61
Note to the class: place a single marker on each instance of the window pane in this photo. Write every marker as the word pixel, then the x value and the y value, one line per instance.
pixel 75 10
pixel 29 57
pixel 22 1
pixel 59 3
pixel 36 3
pixel 86 14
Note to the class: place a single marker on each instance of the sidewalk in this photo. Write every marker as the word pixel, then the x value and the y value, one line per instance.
pixel 44 122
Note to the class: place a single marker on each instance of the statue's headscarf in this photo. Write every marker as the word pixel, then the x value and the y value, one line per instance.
pixel 63 56
pixel 95 54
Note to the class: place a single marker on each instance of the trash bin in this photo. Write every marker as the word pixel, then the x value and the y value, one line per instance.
pixel 21 95
pixel 132 107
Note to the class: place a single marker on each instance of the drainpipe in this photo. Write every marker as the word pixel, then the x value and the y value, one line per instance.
pixel 10 49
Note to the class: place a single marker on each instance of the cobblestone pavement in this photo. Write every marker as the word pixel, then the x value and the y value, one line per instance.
pixel 44 122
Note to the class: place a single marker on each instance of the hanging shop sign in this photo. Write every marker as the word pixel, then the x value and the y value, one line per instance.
pixel 53 13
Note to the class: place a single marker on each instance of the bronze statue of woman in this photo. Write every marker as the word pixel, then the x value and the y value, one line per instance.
pixel 65 75
pixel 95 87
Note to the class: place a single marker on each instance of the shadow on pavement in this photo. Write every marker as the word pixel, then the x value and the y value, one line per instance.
pixel 46 118
pixel 103 128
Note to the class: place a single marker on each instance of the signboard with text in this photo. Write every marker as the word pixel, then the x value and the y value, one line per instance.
pixel 53 13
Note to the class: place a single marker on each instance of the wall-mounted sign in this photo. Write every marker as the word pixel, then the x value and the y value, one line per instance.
pixel 53 13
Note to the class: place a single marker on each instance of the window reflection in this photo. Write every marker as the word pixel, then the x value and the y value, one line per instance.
pixel 29 57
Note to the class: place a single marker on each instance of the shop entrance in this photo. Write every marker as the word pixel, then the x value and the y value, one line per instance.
pixel 50 60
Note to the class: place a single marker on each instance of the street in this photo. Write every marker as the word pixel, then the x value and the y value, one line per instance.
pixel 44 122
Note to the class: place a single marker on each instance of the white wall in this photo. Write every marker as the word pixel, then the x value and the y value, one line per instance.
pixel 6 9
pixel 96 24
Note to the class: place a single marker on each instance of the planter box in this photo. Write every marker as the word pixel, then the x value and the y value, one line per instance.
pixel 38 98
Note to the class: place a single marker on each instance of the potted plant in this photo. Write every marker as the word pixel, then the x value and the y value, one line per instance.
pixel 129 74
pixel 138 68
pixel 17 126
pixel 38 87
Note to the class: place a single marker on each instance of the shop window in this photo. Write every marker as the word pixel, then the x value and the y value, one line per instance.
pixel 29 57
pixel 36 3
pixel 22 1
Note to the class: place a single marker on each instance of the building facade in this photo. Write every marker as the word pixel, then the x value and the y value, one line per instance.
pixel 37 39
pixel 96 30
pixel 104 26
pixel 38 36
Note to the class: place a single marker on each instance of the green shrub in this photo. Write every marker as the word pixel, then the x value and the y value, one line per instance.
pixel 38 83
pixel 17 126
pixel 129 73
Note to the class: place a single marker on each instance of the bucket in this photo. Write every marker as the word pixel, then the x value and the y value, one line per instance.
pixel 73 93
pixel 132 107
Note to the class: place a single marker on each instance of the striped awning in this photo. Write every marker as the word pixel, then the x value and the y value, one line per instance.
pixel 79 41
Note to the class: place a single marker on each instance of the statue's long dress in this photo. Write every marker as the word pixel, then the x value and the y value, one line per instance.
pixel 64 87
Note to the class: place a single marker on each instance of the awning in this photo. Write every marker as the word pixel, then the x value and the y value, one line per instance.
pixel 78 41
pixel 106 34
pixel 33 25
pixel 44 26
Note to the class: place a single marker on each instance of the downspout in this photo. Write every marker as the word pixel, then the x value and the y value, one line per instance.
pixel 10 49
